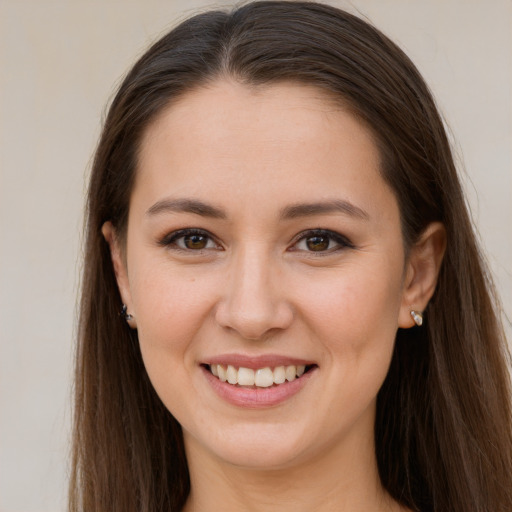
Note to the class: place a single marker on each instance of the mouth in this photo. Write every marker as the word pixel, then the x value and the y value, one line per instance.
pixel 265 377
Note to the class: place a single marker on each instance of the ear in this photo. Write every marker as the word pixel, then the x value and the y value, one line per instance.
pixel 120 270
pixel 422 271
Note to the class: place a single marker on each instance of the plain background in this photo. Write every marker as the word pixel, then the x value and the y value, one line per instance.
pixel 59 63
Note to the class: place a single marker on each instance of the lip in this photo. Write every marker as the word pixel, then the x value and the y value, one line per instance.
pixel 256 362
pixel 257 398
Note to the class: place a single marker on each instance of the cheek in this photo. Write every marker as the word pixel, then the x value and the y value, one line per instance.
pixel 356 324
pixel 355 313
pixel 170 308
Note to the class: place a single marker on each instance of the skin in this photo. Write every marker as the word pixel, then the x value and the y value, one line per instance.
pixel 257 287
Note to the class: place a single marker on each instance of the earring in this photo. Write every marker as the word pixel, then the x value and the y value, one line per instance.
pixel 417 316
pixel 125 314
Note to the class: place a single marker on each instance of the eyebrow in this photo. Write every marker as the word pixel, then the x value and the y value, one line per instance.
pixel 186 206
pixel 334 206
pixel 197 207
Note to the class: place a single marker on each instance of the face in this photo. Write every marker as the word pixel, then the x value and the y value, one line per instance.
pixel 263 243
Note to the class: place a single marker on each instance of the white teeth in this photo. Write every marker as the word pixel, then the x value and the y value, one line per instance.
pixel 291 373
pixel 246 377
pixel 232 375
pixel 262 377
pixel 279 375
pixel 222 373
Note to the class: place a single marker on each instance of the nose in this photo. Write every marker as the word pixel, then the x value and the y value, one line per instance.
pixel 254 298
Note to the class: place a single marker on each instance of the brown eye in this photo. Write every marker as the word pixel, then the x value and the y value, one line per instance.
pixel 321 241
pixel 317 243
pixel 190 240
pixel 195 241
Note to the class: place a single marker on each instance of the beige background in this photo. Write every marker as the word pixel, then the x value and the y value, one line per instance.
pixel 59 62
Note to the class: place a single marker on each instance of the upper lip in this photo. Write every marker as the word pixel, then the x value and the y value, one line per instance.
pixel 255 362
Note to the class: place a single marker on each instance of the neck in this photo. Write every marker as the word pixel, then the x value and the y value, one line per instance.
pixel 342 479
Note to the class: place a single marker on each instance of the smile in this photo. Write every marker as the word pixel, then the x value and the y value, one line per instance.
pixel 260 377
pixel 257 382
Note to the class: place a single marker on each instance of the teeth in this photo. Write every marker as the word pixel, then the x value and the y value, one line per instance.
pixel 279 375
pixel 245 377
pixel 291 373
pixel 222 373
pixel 262 377
pixel 232 375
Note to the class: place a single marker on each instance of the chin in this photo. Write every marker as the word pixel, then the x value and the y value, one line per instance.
pixel 257 457
pixel 260 450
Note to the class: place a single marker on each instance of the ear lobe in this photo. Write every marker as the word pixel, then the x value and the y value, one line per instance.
pixel 118 263
pixel 422 271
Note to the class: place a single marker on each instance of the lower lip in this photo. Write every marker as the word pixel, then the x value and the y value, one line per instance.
pixel 257 398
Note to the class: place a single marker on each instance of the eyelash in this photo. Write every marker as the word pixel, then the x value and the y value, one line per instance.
pixel 342 242
pixel 172 239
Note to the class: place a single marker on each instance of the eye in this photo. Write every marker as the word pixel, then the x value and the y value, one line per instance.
pixel 321 240
pixel 190 240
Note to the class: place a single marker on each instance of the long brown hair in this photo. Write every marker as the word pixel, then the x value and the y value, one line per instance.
pixel 443 429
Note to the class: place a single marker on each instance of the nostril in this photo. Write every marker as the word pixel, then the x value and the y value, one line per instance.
pixel 254 321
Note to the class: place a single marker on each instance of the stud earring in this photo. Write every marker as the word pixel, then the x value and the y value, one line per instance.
pixel 417 316
pixel 125 314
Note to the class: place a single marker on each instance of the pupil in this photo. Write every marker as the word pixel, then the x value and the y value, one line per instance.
pixel 195 241
pixel 317 243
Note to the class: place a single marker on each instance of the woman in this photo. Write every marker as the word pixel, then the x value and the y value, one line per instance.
pixel 306 321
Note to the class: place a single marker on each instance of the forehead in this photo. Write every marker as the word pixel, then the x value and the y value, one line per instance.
pixel 289 141
pixel 226 108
